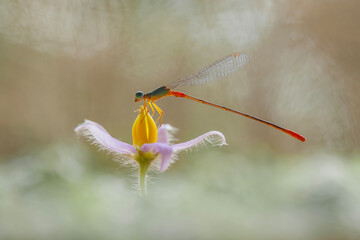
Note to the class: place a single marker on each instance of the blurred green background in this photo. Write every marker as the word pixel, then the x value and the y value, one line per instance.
pixel 65 61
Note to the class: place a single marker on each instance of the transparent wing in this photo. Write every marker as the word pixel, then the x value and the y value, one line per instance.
pixel 213 72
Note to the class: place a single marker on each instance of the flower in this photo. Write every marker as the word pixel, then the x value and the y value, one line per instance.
pixel 151 146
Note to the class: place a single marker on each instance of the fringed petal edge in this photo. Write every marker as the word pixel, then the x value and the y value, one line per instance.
pixel 215 138
pixel 98 136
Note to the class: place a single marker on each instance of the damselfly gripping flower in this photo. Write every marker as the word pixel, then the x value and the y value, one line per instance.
pixel 151 149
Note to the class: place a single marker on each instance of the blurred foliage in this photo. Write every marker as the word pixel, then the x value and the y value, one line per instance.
pixel 65 192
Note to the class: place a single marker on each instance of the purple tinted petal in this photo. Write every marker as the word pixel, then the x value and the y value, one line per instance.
pixel 100 137
pixel 214 137
pixel 163 149
pixel 163 134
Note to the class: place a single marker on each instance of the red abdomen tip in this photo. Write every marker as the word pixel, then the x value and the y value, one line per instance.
pixel 296 135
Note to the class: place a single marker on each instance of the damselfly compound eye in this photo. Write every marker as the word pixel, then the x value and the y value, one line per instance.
pixel 139 95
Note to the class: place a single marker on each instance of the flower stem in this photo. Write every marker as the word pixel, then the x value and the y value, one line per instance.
pixel 144 160
pixel 144 166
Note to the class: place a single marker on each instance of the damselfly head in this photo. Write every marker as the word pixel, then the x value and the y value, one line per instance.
pixel 139 96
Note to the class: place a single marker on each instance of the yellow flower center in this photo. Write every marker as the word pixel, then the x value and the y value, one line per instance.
pixel 144 129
